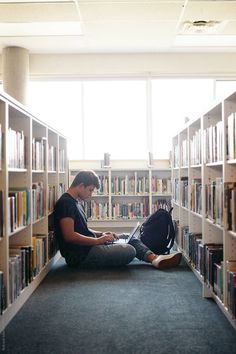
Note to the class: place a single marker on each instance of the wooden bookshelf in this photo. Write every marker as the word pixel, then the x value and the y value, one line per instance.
pixel 33 158
pixel 131 190
pixel 206 207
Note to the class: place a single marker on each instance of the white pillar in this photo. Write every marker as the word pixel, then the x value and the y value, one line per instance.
pixel 15 65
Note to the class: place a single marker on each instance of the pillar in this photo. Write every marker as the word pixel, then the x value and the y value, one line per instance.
pixel 15 66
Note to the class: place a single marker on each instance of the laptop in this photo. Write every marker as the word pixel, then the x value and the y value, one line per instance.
pixel 125 237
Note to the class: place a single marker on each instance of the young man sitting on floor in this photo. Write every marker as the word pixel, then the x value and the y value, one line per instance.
pixel 81 246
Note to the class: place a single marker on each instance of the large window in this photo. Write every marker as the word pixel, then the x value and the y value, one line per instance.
pixel 126 118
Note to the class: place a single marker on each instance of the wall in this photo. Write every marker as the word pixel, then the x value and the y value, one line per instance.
pixel 108 65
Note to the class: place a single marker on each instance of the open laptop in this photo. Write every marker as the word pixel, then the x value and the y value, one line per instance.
pixel 125 238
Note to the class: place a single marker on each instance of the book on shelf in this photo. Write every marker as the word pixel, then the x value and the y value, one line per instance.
pixel 230 206
pixel 1 214
pixel 17 148
pixel 40 256
pixel 51 197
pixel 184 153
pixel 2 293
pixel 196 195
pixel 18 208
pixel 231 137
pixel 196 148
pixel 38 153
pixel 62 163
pixel 231 286
pixel 218 280
pixel 214 201
pixel 0 146
pixel 213 142
pixel 51 158
pixel 213 254
pixel 184 191
pixel 38 201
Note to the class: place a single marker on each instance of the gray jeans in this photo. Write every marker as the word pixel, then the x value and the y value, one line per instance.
pixel 110 255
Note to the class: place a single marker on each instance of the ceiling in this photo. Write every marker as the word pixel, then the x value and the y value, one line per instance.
pixel 128 26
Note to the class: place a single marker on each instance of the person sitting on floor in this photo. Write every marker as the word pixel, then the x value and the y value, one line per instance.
pixel 82 246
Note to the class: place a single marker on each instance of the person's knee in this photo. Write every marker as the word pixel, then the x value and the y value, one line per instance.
pixel 129 251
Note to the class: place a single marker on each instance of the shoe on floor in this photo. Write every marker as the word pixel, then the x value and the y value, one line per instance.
pixel 166 261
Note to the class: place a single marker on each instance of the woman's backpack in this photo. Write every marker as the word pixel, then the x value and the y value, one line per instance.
pixel 158 232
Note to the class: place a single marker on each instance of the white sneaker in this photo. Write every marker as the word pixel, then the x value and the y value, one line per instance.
pixel 166 261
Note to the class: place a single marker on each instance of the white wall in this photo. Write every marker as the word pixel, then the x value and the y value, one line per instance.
pixel 162 64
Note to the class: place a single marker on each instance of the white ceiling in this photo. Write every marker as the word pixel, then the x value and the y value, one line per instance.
pixel 129 26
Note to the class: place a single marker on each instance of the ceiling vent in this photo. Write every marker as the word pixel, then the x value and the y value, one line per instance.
pixel 200 27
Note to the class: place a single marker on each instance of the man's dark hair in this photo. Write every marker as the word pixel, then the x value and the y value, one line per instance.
pixel 88 178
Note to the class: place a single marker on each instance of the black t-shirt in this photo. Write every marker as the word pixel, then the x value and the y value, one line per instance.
pixel 68 207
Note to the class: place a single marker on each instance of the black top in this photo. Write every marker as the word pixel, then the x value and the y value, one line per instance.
pixel 68 207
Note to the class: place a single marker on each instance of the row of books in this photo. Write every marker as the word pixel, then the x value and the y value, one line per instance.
pixel 16 150
pixel 231 140
pixel 100 211
pixel 18 208
pixel 129 185
pixel 196 148
pixel 133 185
pixel 25 262
pixel 19 205
pixel 206 259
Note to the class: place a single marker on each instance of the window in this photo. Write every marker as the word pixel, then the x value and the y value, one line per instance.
pixel 124 117
pixel 173 101
pixel 115 119
pixel 58 103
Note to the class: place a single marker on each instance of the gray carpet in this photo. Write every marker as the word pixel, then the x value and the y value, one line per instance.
pixel 130 310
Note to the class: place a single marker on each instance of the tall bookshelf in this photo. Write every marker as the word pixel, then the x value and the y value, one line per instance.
pixel 33 174
pixel 130 191
pixel 204 199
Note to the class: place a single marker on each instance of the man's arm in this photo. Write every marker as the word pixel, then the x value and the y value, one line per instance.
pixel 69 235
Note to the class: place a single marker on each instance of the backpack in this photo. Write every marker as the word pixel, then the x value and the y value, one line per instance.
pixel 158 232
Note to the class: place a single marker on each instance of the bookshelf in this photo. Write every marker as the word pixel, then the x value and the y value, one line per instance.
pixel 203 175
pixel 130 191
pixel 33 174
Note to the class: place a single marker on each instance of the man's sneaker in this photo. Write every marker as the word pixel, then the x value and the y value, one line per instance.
pixel 166 261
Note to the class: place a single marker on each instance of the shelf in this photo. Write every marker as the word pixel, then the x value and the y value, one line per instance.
pixel 13 308
pixel 210 138
pixel 195 271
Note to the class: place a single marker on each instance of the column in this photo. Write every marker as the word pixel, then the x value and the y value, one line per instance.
pixel 15 64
